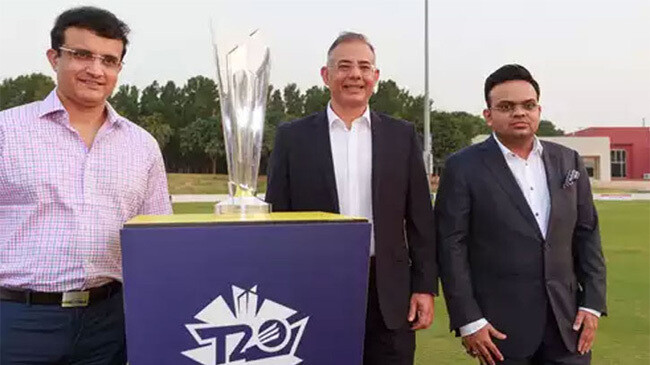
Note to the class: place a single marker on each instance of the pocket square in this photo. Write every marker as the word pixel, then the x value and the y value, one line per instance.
pixel 571 177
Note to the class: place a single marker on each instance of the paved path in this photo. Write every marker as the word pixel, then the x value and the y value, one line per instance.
pixel 213 198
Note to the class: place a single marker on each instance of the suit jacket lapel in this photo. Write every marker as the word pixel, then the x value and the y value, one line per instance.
pixel 324 161
pixel 553 181
pixel 496 163
pixel 378 142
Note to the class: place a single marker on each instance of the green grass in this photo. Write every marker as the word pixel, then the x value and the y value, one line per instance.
pixel 204 183
pixel 617 191
pixel 624 335
pixel 218 184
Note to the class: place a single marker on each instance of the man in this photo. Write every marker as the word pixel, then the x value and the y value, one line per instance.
pixel 72 171
pixel 350 160
pixel 519 249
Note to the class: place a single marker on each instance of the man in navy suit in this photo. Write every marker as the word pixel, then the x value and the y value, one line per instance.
pixel 519 248
pixel 350 160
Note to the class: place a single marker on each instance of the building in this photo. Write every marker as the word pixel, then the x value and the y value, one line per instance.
pixel 629 150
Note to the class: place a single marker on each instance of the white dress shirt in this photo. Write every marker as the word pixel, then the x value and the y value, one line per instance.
pixel 352 157
pixel 531 178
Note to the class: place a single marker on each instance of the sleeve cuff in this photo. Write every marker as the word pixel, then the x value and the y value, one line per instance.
pixel 472 327
pixel 588 310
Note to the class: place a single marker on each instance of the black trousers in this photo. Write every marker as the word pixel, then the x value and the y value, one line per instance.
pixel 49 334
pixel 552 350
pixel 383 346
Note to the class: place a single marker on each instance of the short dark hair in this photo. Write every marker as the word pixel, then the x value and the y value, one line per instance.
pixel 349 37
pixel 99 21
pixel 508 73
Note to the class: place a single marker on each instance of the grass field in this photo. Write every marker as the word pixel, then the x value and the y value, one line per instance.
pixel 218 184
pixel 623 337
pixel 204 184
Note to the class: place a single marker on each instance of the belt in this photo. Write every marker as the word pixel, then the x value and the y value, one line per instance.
pixel 82 298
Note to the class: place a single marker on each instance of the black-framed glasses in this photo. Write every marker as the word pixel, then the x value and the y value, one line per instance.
pixel 84 55
pixel 510 107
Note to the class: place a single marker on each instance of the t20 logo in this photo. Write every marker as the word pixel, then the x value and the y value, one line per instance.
pixel 246 334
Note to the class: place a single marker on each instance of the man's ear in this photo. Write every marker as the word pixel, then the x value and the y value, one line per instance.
pixel 52 58
pixel 487 114
pixel 324 74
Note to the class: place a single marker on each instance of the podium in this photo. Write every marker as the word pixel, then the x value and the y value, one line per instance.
pixel 268 289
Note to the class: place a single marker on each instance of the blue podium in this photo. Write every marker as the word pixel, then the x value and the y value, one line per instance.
pixel 272 289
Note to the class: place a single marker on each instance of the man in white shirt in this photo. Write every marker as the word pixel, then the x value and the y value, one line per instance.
pixel 350 160
pixel 519 247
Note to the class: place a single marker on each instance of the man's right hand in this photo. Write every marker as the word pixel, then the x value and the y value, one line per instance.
pixel 479 344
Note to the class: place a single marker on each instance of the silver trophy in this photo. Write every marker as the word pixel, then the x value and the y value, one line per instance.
pixel 243 78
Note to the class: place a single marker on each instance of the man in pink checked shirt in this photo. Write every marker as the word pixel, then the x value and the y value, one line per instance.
pixel 72 171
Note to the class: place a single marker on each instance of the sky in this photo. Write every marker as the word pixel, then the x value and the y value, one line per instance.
pixel 591 58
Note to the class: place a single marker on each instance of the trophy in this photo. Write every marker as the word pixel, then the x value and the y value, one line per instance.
pixel 243 80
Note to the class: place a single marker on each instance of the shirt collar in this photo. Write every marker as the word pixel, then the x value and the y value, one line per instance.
pixel 537 147
pixel 53 105
pixel 332 117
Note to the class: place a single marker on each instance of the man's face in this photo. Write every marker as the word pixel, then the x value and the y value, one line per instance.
pixel 86 81
pixel 514 112
pixel 351 74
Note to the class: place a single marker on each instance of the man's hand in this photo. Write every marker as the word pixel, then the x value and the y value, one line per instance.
pixel 479 344
pixel 421 308
pixel 589 324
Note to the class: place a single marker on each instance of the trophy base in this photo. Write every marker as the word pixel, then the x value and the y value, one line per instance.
pixel 242 205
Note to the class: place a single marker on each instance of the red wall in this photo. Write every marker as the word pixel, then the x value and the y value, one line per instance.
pixel 635 140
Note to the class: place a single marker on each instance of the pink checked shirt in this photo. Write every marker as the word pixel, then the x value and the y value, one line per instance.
pixel 62 205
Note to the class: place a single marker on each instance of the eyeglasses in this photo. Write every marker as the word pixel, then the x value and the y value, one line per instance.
pixel 346 68
pixel 83 55
pixel 510 107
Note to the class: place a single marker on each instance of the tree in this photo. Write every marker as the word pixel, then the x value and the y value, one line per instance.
pixel 316 99
pixel 150 102
pixel 470 125
pixel 204 136
pixel 413 111
pixel 447 136
pixel 200 99
pixel 389 99
pixel 548 129
pixel 126 102
pixel 155 124
pixel 24 89
pixel 293 101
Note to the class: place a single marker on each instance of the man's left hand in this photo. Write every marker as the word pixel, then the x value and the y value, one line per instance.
pixel 421 308
pixel 589 324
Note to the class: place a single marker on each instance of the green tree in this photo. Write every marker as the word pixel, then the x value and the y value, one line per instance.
pixel 413 111
pixel 197 99
pixel 155 124
pixel 548 129
pixel 316 99
pixel 126 102
pixel 204 137
pixel 447 136
pixel 389 99
pixel 24 89
pixel 470 125
pixel 150 102
pixel 293 101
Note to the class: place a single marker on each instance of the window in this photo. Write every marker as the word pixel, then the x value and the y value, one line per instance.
pixel 591 165
pixel 619 163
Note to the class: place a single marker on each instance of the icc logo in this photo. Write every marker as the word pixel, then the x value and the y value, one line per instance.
pixel 251 334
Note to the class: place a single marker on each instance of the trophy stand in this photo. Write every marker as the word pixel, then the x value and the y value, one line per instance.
pixel 243 79
pixel 242 202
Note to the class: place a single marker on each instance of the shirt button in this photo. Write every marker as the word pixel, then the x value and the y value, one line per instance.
pixel 536 214
pixel 531 188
